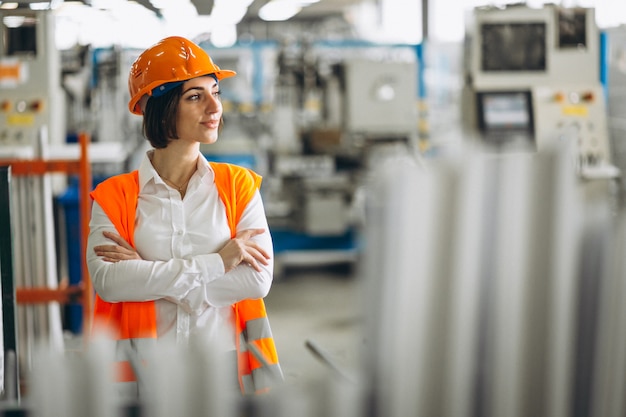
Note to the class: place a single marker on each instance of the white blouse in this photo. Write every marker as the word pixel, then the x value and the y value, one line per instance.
pixel 178 240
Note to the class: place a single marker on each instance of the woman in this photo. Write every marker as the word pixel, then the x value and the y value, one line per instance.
pixel 180 247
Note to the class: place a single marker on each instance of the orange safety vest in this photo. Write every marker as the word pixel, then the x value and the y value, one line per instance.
pixel 134 323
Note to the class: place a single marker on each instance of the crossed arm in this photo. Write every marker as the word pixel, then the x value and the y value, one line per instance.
pixel 242 268
pixel 238 250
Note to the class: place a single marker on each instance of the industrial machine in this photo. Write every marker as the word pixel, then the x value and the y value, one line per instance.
pixel 30 72
pixel 311 125
pixel 348 108
pixel 533 83
pixel 31 119
pixel 615 39
pixel 380 99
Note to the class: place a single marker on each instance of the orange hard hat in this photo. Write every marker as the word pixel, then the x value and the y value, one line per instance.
pixel 171 60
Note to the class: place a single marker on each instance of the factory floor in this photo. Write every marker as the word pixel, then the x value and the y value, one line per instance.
pixel 318 307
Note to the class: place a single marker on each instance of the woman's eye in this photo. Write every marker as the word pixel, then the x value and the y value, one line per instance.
pixel 217 94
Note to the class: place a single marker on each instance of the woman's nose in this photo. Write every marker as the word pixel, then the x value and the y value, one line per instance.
pixel 213 104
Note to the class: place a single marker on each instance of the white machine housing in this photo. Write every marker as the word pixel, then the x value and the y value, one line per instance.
pixel 616 93
pixel 380 97
pixel 31 96
pixel 501 56
pixel 534 77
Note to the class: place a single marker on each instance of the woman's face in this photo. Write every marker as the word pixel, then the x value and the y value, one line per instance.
pixel 199 110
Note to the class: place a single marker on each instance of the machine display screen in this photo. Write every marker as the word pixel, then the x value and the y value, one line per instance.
pixel 513 46
pixel 20 34
pixel 572 28
pixel 500 111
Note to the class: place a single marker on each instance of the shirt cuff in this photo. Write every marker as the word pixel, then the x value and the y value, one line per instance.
pixel 211 267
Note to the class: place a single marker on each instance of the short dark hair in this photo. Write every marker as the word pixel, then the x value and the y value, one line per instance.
pixel 159 118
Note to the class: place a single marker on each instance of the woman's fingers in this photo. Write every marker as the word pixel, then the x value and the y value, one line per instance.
pixel 114 253
pixel 243 250
pixel 117 239
pixel 256 249
pixel 247 234
pixel 110 252
pixel 253 257
pixel 107 259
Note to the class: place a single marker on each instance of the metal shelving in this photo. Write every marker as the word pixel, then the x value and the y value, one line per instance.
pixel 13 294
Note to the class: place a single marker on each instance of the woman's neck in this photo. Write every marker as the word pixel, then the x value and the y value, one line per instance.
pixel 174 166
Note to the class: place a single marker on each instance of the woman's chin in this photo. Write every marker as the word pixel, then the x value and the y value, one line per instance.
pixel 209 141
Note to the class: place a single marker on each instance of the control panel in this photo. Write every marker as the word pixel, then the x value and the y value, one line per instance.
pixel 20 117
pixel 31 97
pixel 576 115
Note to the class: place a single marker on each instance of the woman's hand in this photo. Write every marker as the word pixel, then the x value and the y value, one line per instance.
pixel 241 249
pixel 115 253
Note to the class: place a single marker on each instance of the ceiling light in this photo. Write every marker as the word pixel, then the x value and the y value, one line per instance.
pixel 44 5
pixel 279 10
pixel 8 6
pixel 14 21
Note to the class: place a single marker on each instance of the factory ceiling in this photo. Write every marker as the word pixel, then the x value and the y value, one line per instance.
pixel 319 9
pixel 315 9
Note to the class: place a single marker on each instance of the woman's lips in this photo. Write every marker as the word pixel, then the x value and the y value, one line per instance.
pixel 211 124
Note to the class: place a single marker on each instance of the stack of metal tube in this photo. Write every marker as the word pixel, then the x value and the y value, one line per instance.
pixel 35 257
pixel 493 286
pixel 186 380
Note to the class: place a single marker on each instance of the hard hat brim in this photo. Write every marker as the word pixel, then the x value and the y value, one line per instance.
pixel 135 104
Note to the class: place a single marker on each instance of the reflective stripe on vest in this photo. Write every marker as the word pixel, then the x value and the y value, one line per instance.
pixel 133 322
pixel 265 371
pixel 129 362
